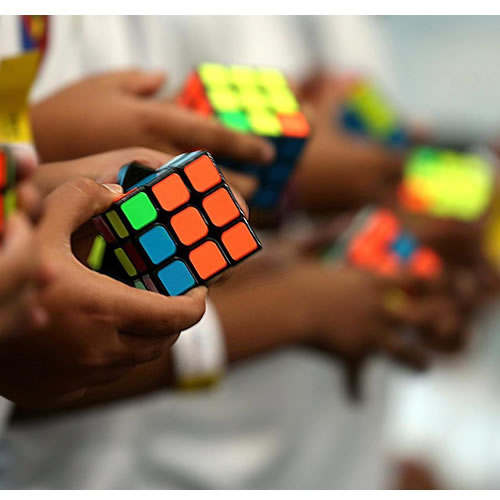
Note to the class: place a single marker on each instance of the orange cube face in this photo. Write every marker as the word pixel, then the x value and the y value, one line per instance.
pixel 377 242
pixel 175 228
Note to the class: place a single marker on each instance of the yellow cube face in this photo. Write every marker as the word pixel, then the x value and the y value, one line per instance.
pixel 248 99
pixel 447 184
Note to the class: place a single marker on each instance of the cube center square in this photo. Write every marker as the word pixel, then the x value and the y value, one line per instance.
pixel 258 101
pixel 175 228
pixel 376 241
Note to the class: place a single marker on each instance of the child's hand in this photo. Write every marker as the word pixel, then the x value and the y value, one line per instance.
pixel 22 278
pixel 98 328
pixel 19 258
pixel 349 315
pixel 116 110
pixel 338 171
pixel 104 168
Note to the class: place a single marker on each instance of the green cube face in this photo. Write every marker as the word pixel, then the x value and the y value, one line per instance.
pixel 139 211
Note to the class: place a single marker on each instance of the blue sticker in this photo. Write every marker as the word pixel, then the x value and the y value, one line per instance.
pixel 404 246
pixel 158 244
pixel 176 278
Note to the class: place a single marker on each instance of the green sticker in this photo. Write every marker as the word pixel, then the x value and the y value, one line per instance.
pixel 139 211
pixel 117 224
pixel 139 284
pixel 96 255
pixel 236 121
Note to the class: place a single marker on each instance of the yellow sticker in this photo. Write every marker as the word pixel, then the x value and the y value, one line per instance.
pixel 16 78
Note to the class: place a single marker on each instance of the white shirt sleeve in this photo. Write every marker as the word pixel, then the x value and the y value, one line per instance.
pixel 201 351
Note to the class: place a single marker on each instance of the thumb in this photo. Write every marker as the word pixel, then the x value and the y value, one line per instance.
pixel 141 83
pixel 73 204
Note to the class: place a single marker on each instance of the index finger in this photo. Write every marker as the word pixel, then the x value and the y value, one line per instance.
pixel 192 131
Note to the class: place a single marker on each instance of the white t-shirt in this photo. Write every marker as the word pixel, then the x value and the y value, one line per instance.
pixel 5 407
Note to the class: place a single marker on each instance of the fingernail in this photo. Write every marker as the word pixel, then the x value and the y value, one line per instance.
pixel 114 188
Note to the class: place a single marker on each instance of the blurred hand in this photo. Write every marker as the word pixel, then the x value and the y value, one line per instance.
pixel 98 329
pixel 350 316
pixel 22 279
pixel 22 273
pixel 337 170
pixel 116 110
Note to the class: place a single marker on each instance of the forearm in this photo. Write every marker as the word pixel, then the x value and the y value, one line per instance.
pixel 149 377
pixel 261 315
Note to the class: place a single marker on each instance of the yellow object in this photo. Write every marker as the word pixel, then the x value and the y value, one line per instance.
pixel 394 300
pixel 197 383
pixel 117 224
pixel 16 78
pixel 125 262
pixel 492 232
pixel 96 255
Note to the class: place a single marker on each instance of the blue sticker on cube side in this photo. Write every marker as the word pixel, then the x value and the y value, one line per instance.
pixel 404 246
pixel 144 181
pixel 398 138
pixel 279 174
pixel 352 122
pixel 181 159
pixel 265 198
pixel 158 244
pixel 176 278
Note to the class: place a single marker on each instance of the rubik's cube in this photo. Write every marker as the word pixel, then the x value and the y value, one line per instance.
pixel 367 113
pixel 257 101
pixel 377 242
pixel 7 186
pixel 175 228
pixel 444 183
